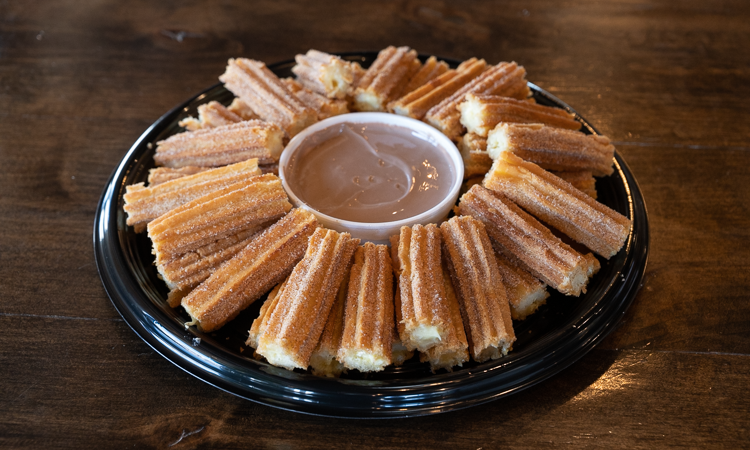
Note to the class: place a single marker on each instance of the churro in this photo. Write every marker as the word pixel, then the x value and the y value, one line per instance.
pixel 323 106
pixel 210 115
pixel 259 324
pixel 227 144
pixel 479 288
pixel 481 113
pixel 144 204
pixel 558 203
pixel 504 79
pixel 476 160
pixel 325 74
pixel 553 148
pixel 295 325
pixel 367 340
pixel 525 241
pixel 424 319
pixel 264 93
pixel 263 263
pixel 417 102
pixel 525 293
pixel 431 69
pixel 225 212
pixel 385 78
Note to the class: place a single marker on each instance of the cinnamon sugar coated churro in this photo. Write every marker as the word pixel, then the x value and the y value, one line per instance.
pixel 479 288
pixel 259 324
pixel 425 318
pixel 367 340
pixel 385 78
pixel 144 204
pixel 264 93
pixel 323 360
pixel 325 74
pixel 159 175
pixel 559 204
pixel 583 180
pixel 504 79
pixel 263 263
pixel 481 113
pixel 219 146
pixel 323 106
pixel 297 321
pixel 553 148
pixel 526 242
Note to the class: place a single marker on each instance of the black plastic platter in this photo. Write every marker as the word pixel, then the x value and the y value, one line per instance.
pixel 560 333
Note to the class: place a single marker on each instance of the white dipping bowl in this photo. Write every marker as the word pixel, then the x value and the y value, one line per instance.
pixel 380 232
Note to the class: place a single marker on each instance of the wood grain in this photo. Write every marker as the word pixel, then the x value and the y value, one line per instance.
pixel 667 81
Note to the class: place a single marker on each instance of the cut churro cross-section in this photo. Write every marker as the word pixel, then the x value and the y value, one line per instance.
pixel 264 93
pixel 219 146
pixel 479 288
pixel 263 263
pixel 424 319
pixel 325 74
pixel 144 204
pixel 481 113
pixel 297 322
pixel 558 203
pixel 210 115
pixel 368 322
pixel 553 148
pixel 504 79
pixel 526 242
pixel 385 78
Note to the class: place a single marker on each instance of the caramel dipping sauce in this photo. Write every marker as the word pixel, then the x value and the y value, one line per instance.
pixel 370 172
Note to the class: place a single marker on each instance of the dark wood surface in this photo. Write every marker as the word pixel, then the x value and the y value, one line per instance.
pixel 669 82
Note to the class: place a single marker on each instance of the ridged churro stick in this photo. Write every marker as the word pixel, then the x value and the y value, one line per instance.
pixel 295 325
pixel 453 351
pixel 424 316
pixel 210 115
pixel 417 102
pixel 479 288
pixel 323 360
pixel 431 69
pixel 553 148
pixel 226 144
pixel 526 242
pixel 481 113
pixel 263 263
pixel 144 204
pixel 525 293
pixel 559 204
pixel 504 79
pixel 323 106
pixel 385 78
pixel 242 109
pixel 400 353
pixel 217 215
pixel 264 93
pixel 367 340
pixel 325 74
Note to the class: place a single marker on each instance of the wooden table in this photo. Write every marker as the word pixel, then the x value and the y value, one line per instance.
pixel 668 82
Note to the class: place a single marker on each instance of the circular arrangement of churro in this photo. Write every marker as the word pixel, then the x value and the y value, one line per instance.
pixel 224 233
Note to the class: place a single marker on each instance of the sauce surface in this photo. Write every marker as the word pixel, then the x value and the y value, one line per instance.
pixel 370 172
